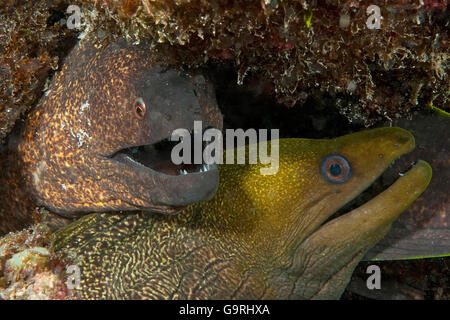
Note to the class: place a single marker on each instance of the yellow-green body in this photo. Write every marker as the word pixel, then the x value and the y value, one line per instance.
pixel 260 237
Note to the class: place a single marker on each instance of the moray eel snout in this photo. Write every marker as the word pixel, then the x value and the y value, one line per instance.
pixel 98 139
pixel 260 236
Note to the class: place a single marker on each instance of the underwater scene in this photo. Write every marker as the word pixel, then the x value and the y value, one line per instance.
pixel 224 150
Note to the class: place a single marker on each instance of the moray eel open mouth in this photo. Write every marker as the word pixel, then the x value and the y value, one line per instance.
pixel 177 185
pixel 157 157
pixel 377 187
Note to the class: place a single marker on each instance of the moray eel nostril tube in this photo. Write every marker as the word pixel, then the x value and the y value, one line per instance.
pixel 97 140
pixel 261 236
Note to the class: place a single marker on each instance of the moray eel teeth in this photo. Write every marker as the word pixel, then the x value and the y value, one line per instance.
pixel 188 182
pixel 156 158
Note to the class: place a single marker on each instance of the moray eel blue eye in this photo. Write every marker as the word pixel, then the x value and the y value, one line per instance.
pixel 335 168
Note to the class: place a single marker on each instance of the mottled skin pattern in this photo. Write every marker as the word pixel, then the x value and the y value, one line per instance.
pixel 66 156
pixel 260 237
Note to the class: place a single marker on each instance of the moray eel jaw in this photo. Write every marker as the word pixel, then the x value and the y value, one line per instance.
pixel 180 185
pixel 336 248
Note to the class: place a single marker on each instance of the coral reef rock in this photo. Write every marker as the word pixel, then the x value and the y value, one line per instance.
pixel 32 42
pixel 29 269
pixel 380 58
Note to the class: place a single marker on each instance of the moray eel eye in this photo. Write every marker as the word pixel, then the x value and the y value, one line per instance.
pixel 335 168
pixel 139 108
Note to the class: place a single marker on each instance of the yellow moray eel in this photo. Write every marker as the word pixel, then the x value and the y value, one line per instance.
pixel 261 236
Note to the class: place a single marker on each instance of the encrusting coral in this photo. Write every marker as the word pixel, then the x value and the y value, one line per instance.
pixel 299 47
pixel 32 42
pixel 30 269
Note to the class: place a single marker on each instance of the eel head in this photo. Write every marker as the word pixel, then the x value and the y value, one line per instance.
pixel 99 139
pixel 283 224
